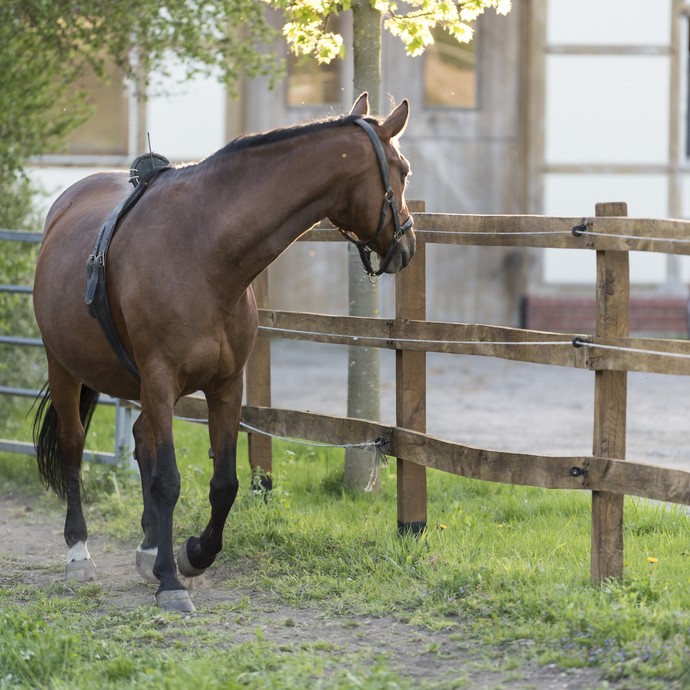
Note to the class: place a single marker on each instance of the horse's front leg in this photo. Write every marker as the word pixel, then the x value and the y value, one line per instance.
pixel 224 410
pixel 145 455
pixel 165 491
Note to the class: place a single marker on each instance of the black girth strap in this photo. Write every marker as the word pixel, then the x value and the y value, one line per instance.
pixel 96 288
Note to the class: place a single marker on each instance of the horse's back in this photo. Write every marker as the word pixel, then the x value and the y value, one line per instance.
pixel 92 196
pixel 207 331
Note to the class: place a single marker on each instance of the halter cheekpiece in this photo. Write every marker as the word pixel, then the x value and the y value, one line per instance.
pixel 389 203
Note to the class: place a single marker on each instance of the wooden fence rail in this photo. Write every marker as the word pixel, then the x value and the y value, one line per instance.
pixel 608 352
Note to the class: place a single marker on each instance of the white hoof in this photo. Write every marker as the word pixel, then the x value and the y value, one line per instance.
pixel 144 562
pixel 81 571
pixel 183 564
pixel 175 600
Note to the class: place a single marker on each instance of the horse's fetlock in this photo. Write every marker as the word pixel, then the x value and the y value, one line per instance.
pixel 223 491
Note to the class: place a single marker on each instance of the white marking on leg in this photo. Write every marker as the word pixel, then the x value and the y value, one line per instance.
pixel 148 552
pixel 78 552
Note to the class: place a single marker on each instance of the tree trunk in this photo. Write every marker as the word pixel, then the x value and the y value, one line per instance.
pixel 363 385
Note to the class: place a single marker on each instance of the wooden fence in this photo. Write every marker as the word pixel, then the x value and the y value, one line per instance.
pixel 608 352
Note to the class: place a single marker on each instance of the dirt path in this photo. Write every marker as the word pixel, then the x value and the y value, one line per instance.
pixel 477 401
pixel 31 552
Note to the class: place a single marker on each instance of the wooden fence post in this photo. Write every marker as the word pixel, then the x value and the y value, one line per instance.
pixel 258 389
pixel 410 388
pixel 610 404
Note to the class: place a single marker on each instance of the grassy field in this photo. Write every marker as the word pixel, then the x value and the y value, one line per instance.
pixel 505 568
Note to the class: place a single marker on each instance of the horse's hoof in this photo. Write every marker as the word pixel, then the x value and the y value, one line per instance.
pixel 144 563
pixel 183 564
pixel 175 600
pixel 81 571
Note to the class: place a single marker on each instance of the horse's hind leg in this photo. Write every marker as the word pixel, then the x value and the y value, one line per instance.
pixel 144 452
pixel 63 432
pixel 224 410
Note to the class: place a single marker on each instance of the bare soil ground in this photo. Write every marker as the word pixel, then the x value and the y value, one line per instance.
pixel 32 552
pixel 474 400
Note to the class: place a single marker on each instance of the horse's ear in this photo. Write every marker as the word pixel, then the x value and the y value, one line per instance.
pixel 394 125
pixel 361 106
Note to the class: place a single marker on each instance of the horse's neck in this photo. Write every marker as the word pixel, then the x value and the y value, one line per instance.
pixel 274 194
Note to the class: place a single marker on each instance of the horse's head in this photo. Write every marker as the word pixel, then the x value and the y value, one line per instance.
pixel 376 218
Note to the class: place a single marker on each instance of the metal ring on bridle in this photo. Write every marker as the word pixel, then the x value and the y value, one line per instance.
pixel 389 202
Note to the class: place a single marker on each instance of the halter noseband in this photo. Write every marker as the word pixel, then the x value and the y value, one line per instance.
pixel 389 202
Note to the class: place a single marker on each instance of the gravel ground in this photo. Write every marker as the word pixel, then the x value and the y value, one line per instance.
pixel 497 404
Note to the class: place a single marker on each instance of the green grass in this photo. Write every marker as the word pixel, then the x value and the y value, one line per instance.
pixel 502 567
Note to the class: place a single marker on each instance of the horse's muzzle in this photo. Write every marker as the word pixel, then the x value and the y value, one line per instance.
pixel 404 250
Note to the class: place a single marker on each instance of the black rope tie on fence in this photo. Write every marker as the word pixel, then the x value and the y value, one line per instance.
pixel 582 340
pixel 584 227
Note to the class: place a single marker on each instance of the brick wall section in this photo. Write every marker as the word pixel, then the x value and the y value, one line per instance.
pixel 649 315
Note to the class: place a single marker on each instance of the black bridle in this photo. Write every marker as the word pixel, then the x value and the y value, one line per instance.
pixel 389 203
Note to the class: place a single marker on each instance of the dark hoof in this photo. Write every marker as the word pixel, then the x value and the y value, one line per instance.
pixel 262 482
pixel 175 600
pixel 184 565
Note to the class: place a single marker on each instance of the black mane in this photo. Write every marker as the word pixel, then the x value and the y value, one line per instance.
pixel 282 134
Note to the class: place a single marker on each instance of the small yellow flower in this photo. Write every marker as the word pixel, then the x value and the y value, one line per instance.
pixel 652 560
pixel 441 525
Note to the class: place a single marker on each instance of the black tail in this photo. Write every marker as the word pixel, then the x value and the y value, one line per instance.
pixel 45 434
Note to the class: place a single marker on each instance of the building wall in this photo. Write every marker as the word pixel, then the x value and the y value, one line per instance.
pixel 578 102
pixel 463 160
pixel 613 117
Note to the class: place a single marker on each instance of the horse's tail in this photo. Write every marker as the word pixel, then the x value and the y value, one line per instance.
pixel 45 435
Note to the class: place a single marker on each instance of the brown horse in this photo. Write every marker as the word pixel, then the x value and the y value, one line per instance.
pixel 179 270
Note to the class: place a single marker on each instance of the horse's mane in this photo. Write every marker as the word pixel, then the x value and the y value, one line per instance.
pixel 248 141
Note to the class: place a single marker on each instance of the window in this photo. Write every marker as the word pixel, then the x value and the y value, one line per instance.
pixel 308 82
pixel 106 131
pixel 450 74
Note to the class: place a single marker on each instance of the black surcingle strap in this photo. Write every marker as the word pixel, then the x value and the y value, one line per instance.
pixel 96 297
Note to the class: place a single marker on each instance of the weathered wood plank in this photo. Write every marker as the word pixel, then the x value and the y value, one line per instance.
pixel 631 354
pixel 192 407
pixel 258 387
pixel 610 405
pixel 589 473
pixel 426 336
pixel 598 233
pixel 410 392
pixel 659 356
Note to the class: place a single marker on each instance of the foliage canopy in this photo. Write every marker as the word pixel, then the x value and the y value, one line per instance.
pixel 412 22
pixel 45 43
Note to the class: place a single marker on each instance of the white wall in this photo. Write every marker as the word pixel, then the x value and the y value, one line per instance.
pixel 606 136
pixel 187 122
